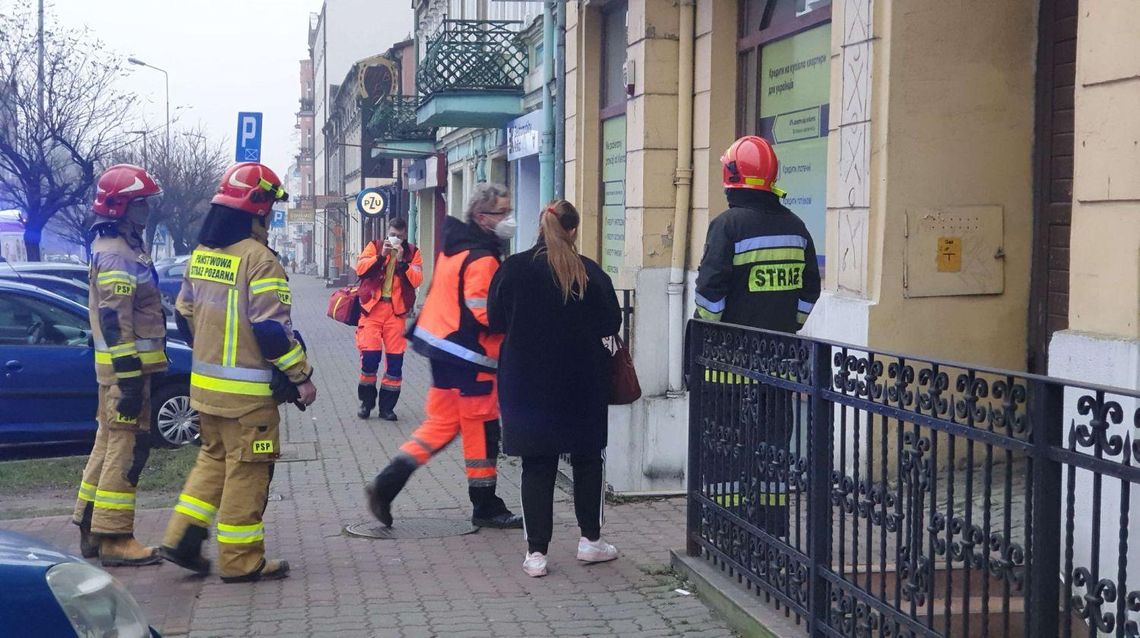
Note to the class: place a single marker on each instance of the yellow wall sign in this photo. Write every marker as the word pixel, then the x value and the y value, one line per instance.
pixel 217 267
pixel 949 254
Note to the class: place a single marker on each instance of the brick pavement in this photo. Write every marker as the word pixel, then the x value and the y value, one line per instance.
pixel 462 586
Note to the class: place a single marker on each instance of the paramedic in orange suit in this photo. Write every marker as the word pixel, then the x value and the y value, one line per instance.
pixel 452 331
pixel 390 271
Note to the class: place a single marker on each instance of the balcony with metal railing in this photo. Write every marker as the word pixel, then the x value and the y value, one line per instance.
pixel 472 74
pixel 391 124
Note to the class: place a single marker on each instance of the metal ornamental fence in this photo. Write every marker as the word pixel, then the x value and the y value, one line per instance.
pixel 473 54
pixel 867 493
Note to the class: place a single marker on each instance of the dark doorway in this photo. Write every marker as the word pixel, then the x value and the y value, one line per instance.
pixel 1053 179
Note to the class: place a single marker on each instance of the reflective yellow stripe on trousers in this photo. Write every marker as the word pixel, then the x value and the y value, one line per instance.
pixel 109 500
pixel 196 508
pixel 241 534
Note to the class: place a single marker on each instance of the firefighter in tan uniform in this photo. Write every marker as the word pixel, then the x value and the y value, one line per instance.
pixel 235 305
pixel 129 332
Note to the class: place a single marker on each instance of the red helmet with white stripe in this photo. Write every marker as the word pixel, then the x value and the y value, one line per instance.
pixel 250 187
pixel 750 163
pixel 118 186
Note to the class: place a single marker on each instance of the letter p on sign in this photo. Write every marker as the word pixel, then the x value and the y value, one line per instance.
pixel 248 138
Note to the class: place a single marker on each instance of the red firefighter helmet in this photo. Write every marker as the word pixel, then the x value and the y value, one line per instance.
pixel 118 186
pixel 751 163
pixel 250 187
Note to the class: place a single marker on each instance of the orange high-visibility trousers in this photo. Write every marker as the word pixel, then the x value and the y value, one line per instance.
pixel 450 414
pixel 381 331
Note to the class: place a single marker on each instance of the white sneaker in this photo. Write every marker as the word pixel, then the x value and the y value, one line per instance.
pixel 535 564
pixel 597 551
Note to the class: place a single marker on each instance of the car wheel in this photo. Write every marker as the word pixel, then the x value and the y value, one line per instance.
pixel 173 422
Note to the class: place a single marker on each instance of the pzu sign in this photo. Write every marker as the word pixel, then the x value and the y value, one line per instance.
pixel 248 138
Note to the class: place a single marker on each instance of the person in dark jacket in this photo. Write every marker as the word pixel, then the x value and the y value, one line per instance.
pixel 555 307
pixel 759 269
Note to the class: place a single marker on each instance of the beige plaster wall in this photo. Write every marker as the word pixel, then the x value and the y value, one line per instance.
pixel 583 82
pixel 1104 273
pixel 714 114
pixel 956 122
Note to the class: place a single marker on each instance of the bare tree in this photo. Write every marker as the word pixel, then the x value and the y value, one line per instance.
pixel 49 155
pixel 189 176
pixel 72 224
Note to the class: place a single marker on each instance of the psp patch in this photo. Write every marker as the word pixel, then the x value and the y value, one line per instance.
pixel 123 289
pixel 216 267
pixel 263 447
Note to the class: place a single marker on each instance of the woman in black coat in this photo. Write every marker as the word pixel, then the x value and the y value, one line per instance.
pixel 555 307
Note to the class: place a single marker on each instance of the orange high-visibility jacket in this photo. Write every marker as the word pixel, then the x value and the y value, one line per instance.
pixel 453 324
pixel 372 267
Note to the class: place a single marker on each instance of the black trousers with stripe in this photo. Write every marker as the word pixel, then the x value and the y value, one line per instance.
pixel 538 477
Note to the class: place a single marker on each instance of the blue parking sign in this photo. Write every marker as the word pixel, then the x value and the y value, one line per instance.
pixel 248 138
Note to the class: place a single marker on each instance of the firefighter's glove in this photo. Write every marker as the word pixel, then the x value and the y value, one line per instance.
pixel 284 390
pixel 131 402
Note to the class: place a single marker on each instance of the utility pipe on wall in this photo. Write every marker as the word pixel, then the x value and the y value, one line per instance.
pixel 546 151
pixel 683 187
pixel 560 104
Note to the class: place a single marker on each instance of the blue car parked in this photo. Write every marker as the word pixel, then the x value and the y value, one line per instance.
pixel 48 392
pixel 49 593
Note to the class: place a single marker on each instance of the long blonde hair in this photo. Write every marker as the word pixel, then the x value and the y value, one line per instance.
pixel 558 222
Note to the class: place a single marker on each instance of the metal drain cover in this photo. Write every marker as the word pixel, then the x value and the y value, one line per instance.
pixel 412 528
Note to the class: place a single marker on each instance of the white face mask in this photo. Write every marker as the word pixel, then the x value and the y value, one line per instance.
pixel 394 241
pixel 506 228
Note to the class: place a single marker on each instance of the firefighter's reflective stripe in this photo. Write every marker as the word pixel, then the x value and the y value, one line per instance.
pixel 290 358
pixel 241 534
pixel 146 357
pixel 476 302
pixel 230 386
pixel 708 309
pixel 257 375
pixel 116 277
pixel 770 241
pixel 768 254
pixel 140 344
pixel 803 309
pixel 270 284
pixel 87 492
pixel 109 500
pixel 230 339
pixel 768 494
pixel 720 376
pixel 128 349
pixel 196 508
pixel 416 267
pixel 455 349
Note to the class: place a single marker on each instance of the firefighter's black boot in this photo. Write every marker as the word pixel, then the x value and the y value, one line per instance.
pixel 367 396
pixel 386 406
pixel 188 554
pixel 387 485
pixel 490 510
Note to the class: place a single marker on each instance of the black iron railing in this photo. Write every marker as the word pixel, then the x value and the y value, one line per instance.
pixel 625 298
pixel 473 54
pixel 394 119
pixel 874 494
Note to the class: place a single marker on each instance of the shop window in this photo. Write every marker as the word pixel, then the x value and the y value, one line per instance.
pixel 614 46
pixel 783 95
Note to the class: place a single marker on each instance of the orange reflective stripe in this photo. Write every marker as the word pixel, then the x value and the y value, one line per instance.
pixel 481 472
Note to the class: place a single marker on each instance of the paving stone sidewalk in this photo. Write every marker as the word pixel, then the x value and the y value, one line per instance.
pixel 462 586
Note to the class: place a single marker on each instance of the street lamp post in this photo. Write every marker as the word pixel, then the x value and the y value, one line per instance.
pixel 139 62
pixel 146 161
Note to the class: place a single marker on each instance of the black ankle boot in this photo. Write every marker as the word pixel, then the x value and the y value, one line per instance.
pixel 367 396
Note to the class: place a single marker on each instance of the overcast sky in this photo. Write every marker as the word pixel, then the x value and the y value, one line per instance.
pixel 223 56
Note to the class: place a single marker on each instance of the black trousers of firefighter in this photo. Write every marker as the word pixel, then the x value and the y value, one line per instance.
pixel 750 477
pixel 229 487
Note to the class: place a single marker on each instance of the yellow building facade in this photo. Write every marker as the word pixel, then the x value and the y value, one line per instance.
pixel 970 172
